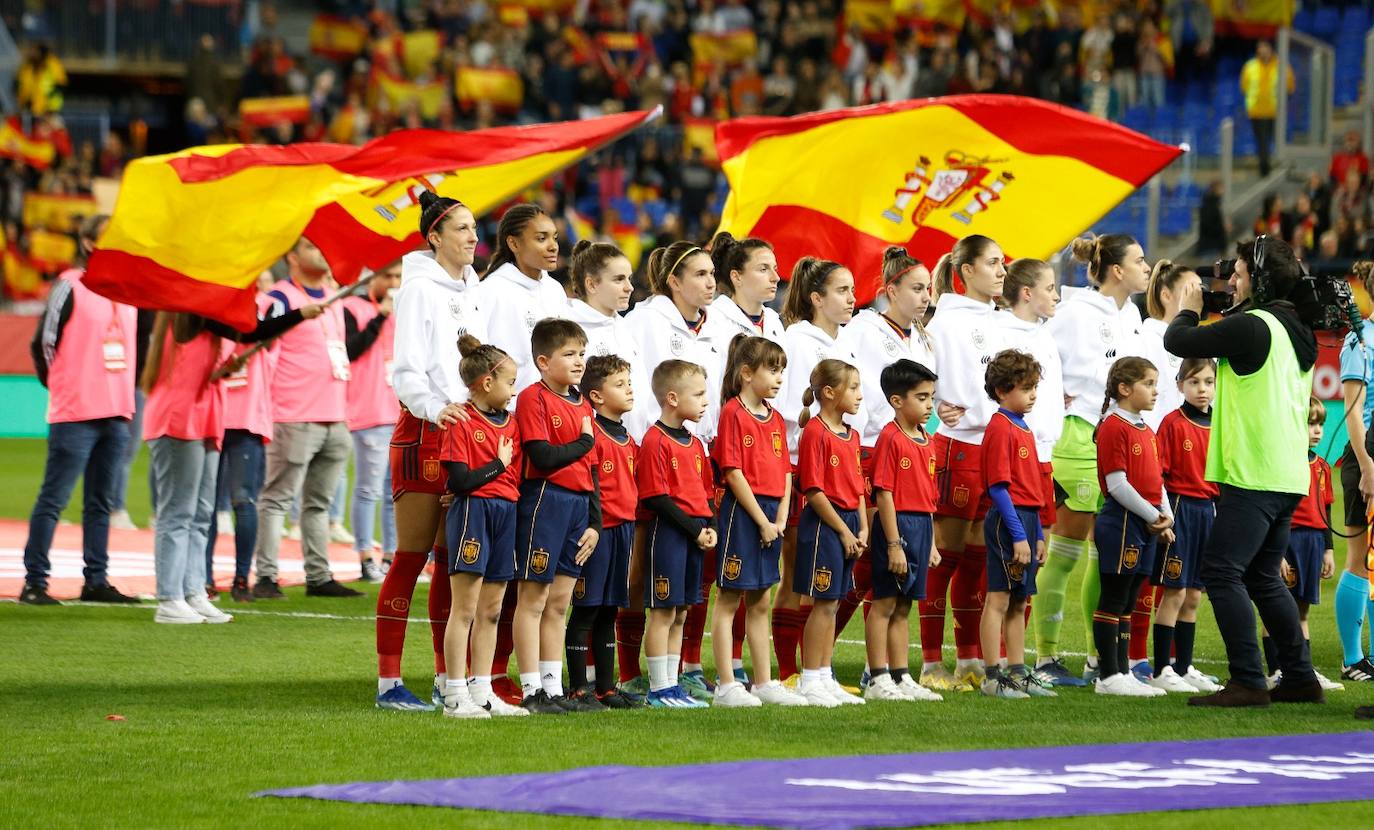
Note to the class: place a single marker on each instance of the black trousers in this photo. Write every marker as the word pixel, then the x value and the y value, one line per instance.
pixel 1240 566
pixel 1264 142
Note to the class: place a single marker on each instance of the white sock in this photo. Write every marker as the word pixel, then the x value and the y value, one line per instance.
pixel 452 688
pixel 440 680
pixel 736 664
pixel 386 684
pixel 810 677
pixel 659 676
pixel 529 682
pixel 1091 662
pixel 690 667
pixel 481 690
pixel 674 660
pixel 551 677
pixel 591 674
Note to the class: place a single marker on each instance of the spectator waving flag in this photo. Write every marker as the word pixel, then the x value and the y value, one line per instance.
pixel 192 230
pixel 846 184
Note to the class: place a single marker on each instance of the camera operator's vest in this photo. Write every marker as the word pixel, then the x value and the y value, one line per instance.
pixel 1259 423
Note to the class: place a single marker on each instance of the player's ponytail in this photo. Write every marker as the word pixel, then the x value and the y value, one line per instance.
pixel 1166 274
pixel 478 359
pixel 949 269
pixel 731 256
pixel 434 209
pixel 809 276
pixel 829 373
pixel 1100 253
pixel 665 262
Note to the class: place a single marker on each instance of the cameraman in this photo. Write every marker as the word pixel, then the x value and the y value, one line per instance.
pixel 1258 456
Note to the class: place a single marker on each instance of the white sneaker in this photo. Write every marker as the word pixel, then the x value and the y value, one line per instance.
pixel 294 534
pixel 1328 685
pixel 734 696
pixel 774 693
pixel 837 691
pixel 176 612
pixel 817 694
pixel 882 688
pixel 1199 681
pixel 372 573
pixel 119 520
pixel 501 709
pixel 459 704
pixel 1169 681
pixel 224 520
pixel 199 604
pixel 1123 685
pixel 1274 679
pixel 915 691
pixel 1152 690
pixel 339 533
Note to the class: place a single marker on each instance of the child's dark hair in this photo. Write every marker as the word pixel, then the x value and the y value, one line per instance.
pixel 1023 273
pixel 1316 411
pixel 1008 370
pixel 665 262
pixel 434 211
pixel 479 359
pixel 1128 371
pixel 598 369
pixel 1192 365
pixel 1167 274
pixel 551 333
pixel 730 254
pixel 899 378
pixel 669 374
pixel 512 223
pixel 1100 253
pixel 829 372
pixel 588 260
pixel 809 276
pixel 752 352
pixel 949 270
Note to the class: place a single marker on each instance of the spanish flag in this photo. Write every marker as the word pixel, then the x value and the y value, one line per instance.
pixel 848 183
pixel 16 144
pixel 873 17
pixel 727 48
pixel 502 87
pixel 697 134
pixel 399 92
pixel 1252 19
pixel 264 112
pixel 337 38
pixel 193 230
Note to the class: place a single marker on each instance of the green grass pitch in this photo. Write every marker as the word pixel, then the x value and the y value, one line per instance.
pixel 282 698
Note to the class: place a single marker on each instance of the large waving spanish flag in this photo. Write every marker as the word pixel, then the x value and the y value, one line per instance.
pixel 192 231
pixel 848 183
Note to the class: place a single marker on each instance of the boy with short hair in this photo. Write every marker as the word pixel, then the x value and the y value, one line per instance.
pixel 675 488
pixel 1011 472
pixel 558 514
pixel 603 587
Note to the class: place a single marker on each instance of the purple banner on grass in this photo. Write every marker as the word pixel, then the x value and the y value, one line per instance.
pixel 919 789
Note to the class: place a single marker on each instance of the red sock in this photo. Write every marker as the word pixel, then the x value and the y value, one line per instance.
pixel 787 631
pixel 737 634
pixel 629 636
pixel 440 598
pixel 1140 623
pixel 932 608
pixel 966 592
pixel 692 633
pixel 863 580
pixel 393 610
pixel 505 634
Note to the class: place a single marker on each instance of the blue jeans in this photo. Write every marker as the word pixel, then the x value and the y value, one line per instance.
pixel 93 448
pixel 242 469
pixel 185 472
pixel 126 460
pixel 1152 91
pixel 372 486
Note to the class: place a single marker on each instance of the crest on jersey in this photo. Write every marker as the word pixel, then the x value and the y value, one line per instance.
pixel 1187 445
pixel 1016 572
pixel 890 346
pixel 700 462
pixel 834 461
pixel 1023 452
pixel 1173 569
pixel 1084 491
pixel 962 184
pixel 980 340
pixel 931 466
pixel 1290 578
pixel 556 420
pixel 470 551
pixel 399 605
pixel 673 461
pixel 479 436
pixel 820 580
pixel 529 319
pixel 1107 333
pixel 1130 557
pixel 539 560
pixel 608 466
pixel 430 469
pixel 1135 449
pixel 734 566
pixel 748 441
pixel 960 496
pixel 777 444
pixel 676 344
pixel 455 309
pixel 580 587
pixel 662 587
pixel 602 349
pixel 906 463
pixel 820 355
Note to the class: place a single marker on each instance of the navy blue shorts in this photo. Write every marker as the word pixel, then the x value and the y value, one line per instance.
pixel 673 579
pixel 1306 547
pixel 916 531
pixel 822 572
pixel 550 520
pixel 1124 543
pixel 481 538
pixel 743 562
pixel 605 579
pixel 1004 573
pixel 1180 565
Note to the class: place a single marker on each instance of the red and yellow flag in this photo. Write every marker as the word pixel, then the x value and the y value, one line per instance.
pixel 699 134
pixel 15 144
pixel 419 50
pixel 193 230
pixel 502 87
pixel 337 38
pixel 1253 18
pixel 399 93
pixel 871 16
pixel 23 280
pixel 57 212
pixel 727 48
pixel 264 112
pixel 51 252
pixel 846 184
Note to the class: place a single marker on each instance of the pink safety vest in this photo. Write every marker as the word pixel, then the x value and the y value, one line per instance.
pixel 92 374
pixel 185 404
pixel 310 384
pixel 248 392
pixel 371 401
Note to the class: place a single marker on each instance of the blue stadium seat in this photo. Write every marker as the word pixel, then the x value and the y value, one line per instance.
pixel 1303 20
pixel 1326 21
pixel 1355 21
pixel 657 210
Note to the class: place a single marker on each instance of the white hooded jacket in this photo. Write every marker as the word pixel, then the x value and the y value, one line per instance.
pixel 877 345
pixel 513 304
pixel 662 334
pixel 1152 344
pixel 432 311
pixel 1092 333
pixel 967 335
pixel 1046 418
pixel 613 335
pixel 806 345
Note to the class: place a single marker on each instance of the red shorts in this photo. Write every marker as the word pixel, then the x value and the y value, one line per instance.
pixel 415 465
pixel 959 479
pixel 1048 514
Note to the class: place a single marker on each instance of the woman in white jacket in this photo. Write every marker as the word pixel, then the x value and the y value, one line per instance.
pixel 968 331
pixel 435 305
pixel 517 292
pixel 1093 328
pixel 1160 304
pixel 746 280
pixel 600 278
